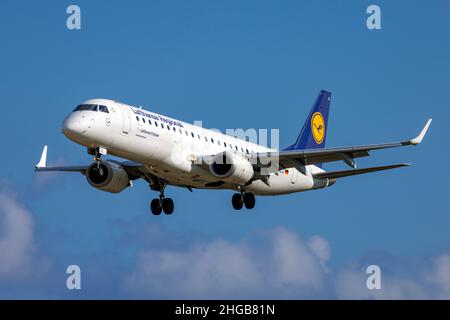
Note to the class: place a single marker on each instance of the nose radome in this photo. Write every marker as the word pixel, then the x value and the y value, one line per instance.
pixel 71 125
pixel 75 125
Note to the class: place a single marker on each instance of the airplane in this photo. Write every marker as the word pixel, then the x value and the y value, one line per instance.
pixel 164 151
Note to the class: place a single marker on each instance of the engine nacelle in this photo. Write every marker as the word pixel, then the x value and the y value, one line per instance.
pixel 232 168
pixel 109 177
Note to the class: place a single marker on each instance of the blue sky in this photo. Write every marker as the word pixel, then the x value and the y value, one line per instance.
pixel 231 64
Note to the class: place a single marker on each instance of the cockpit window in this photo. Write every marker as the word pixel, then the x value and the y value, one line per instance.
pixel 103 109
pixel 86 107
pixel 92 107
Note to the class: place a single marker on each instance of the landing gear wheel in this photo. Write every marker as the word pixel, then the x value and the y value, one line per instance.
pixel 249 200
pixel 168 206
pixel 156 207
pixel 237 201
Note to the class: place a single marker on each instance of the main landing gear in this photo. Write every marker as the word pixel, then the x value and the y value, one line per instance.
pixel 243 198
pixel 162 204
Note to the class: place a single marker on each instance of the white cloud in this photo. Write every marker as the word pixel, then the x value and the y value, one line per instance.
pixel 278 265
pixel 221 269
pixel 18 257
pixel 430 281
pixel 296 263
pixel 281 265
pixel 16 236
pixel 439 277
pixel 350 283
pixel 321 248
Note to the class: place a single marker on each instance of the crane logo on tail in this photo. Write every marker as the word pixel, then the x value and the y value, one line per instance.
pixel 318 127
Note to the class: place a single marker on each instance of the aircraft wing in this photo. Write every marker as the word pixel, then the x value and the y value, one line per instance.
pixel 300 158
pixel 81 169
pixel 134 169
pixel 42 165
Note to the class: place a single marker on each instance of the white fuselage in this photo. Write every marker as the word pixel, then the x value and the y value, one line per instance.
pixel 168 147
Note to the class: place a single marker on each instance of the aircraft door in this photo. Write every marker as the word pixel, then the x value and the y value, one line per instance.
pixel 126 118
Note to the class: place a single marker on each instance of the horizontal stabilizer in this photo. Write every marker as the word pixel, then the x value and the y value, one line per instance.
pixel 347 173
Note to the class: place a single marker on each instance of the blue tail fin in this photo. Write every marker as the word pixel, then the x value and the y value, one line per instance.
pixel 314 131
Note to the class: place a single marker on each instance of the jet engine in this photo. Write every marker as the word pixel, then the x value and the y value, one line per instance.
pixel 232 168
pixel 107 176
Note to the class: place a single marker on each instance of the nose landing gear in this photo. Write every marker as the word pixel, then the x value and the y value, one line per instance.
pixel 97 153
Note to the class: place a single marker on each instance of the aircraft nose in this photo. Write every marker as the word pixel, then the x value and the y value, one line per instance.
pixel 71 125
pixel 75 125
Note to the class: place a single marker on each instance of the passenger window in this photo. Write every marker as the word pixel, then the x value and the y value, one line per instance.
pixel 206 139
pixel 225 144
pixel 218 142
pixel 174 129
pixel 149 122
pixel 198 137
pixel 162 125
pixel 137 118
pixel 192 134
pixel 185 131
pixel 212 140
pixel 246 150
pixel 181 132
pixel 236 148
pixel 168 128
pixel 143 120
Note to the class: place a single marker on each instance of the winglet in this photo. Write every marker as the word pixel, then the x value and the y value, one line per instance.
pixel 420 137
pixel 43 162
